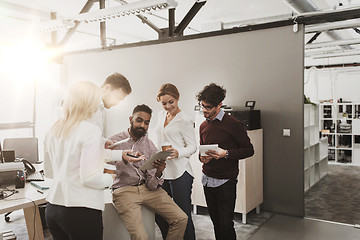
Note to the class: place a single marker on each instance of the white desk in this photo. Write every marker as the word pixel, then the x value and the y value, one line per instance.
pixel 114 228
pixel 27 199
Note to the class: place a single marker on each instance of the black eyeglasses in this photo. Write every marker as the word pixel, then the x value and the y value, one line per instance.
pixel 206 107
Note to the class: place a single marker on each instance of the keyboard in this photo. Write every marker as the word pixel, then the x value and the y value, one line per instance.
pixel 36 176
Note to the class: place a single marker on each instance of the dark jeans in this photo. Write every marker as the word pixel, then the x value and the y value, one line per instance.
pixel 221 204
pixel 74 223
pixel 180 190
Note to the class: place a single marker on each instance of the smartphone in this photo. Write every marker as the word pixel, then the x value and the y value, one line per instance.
pixel 131 155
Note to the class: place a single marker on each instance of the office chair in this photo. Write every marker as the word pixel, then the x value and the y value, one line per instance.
pixel 26 148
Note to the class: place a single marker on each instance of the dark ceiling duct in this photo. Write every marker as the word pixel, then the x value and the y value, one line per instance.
pixel 304 6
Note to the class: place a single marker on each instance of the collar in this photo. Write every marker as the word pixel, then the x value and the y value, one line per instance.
pixel 101 105
pixel 219 116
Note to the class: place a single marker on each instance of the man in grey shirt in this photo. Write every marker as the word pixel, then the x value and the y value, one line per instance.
pixel 134 188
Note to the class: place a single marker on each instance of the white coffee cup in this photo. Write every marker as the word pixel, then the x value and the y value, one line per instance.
pixel 166 147
pixel 109 168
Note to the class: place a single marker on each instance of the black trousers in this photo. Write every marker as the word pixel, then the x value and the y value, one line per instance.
pixel 74 223
pixel 180 191
pixel 221 204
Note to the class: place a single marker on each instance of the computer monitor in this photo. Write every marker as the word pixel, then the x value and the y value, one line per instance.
pixel 26 148
pixel 8 156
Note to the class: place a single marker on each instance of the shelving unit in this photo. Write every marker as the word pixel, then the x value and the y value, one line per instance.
pixel 315 149
pixel 340 122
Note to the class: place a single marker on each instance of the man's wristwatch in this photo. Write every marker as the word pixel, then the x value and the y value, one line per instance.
pixel 227 154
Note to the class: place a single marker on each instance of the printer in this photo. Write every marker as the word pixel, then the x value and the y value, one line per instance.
pixel 9 172
pixel 250 118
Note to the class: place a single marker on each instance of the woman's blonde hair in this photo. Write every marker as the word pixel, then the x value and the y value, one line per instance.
pixel 81 103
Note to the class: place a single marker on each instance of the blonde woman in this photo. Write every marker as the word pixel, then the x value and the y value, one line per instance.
pixel 74 160
pixel 177 129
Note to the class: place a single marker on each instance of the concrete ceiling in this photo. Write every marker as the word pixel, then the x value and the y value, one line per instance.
pixel 19 18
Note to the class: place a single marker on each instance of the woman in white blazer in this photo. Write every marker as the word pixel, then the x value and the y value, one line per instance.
pixel 74 160
pixel 177 129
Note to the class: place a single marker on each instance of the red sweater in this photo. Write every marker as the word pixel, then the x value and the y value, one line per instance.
pixel 230 134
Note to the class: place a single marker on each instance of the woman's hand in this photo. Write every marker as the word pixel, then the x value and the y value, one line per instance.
pixel 108 143
pixel 174 154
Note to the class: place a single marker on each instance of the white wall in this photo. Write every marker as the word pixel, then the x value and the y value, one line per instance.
pixel 17 103
pixel 325 84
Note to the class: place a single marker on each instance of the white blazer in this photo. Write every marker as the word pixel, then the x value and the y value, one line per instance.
pixel 180 133
pixel 76 165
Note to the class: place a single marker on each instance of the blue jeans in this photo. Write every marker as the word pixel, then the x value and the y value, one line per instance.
pixel 221 204
pixel 180 190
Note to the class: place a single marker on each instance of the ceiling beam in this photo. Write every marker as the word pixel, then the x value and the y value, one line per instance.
pixel 189 16
pixel 332 43
pixel 146 21
pixel 333 26
pixel 328 16
pixel 335 66
pixel 171 22
pixel 102 26
pixel 88 5
pixel 53 33
pixel 314 37
pixel 341 53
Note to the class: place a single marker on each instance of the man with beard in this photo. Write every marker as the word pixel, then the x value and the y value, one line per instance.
pixel 134 188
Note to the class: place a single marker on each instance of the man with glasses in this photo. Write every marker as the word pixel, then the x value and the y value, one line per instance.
pixel 221 167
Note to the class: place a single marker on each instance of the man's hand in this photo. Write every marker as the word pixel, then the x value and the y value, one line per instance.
pixel 160 166
pixel 205 159
pixel 137 156
pixel 108 143
pixel 220 153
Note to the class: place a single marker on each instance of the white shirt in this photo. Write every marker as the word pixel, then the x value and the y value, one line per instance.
pixel 99 120
pixel 181 135
pixel 99 117
pixel 76 165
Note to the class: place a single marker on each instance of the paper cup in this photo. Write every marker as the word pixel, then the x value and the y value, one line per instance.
pixel 166 147
pixel 109 168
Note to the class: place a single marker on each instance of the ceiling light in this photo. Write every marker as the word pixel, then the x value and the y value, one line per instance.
pixel 336 54
pixel 125 10
pixel 56 24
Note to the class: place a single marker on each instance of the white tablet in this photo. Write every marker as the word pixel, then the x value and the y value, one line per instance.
pixel 204 148
pixel 159 155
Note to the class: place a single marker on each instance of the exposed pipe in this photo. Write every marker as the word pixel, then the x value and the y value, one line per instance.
pixel 303 6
